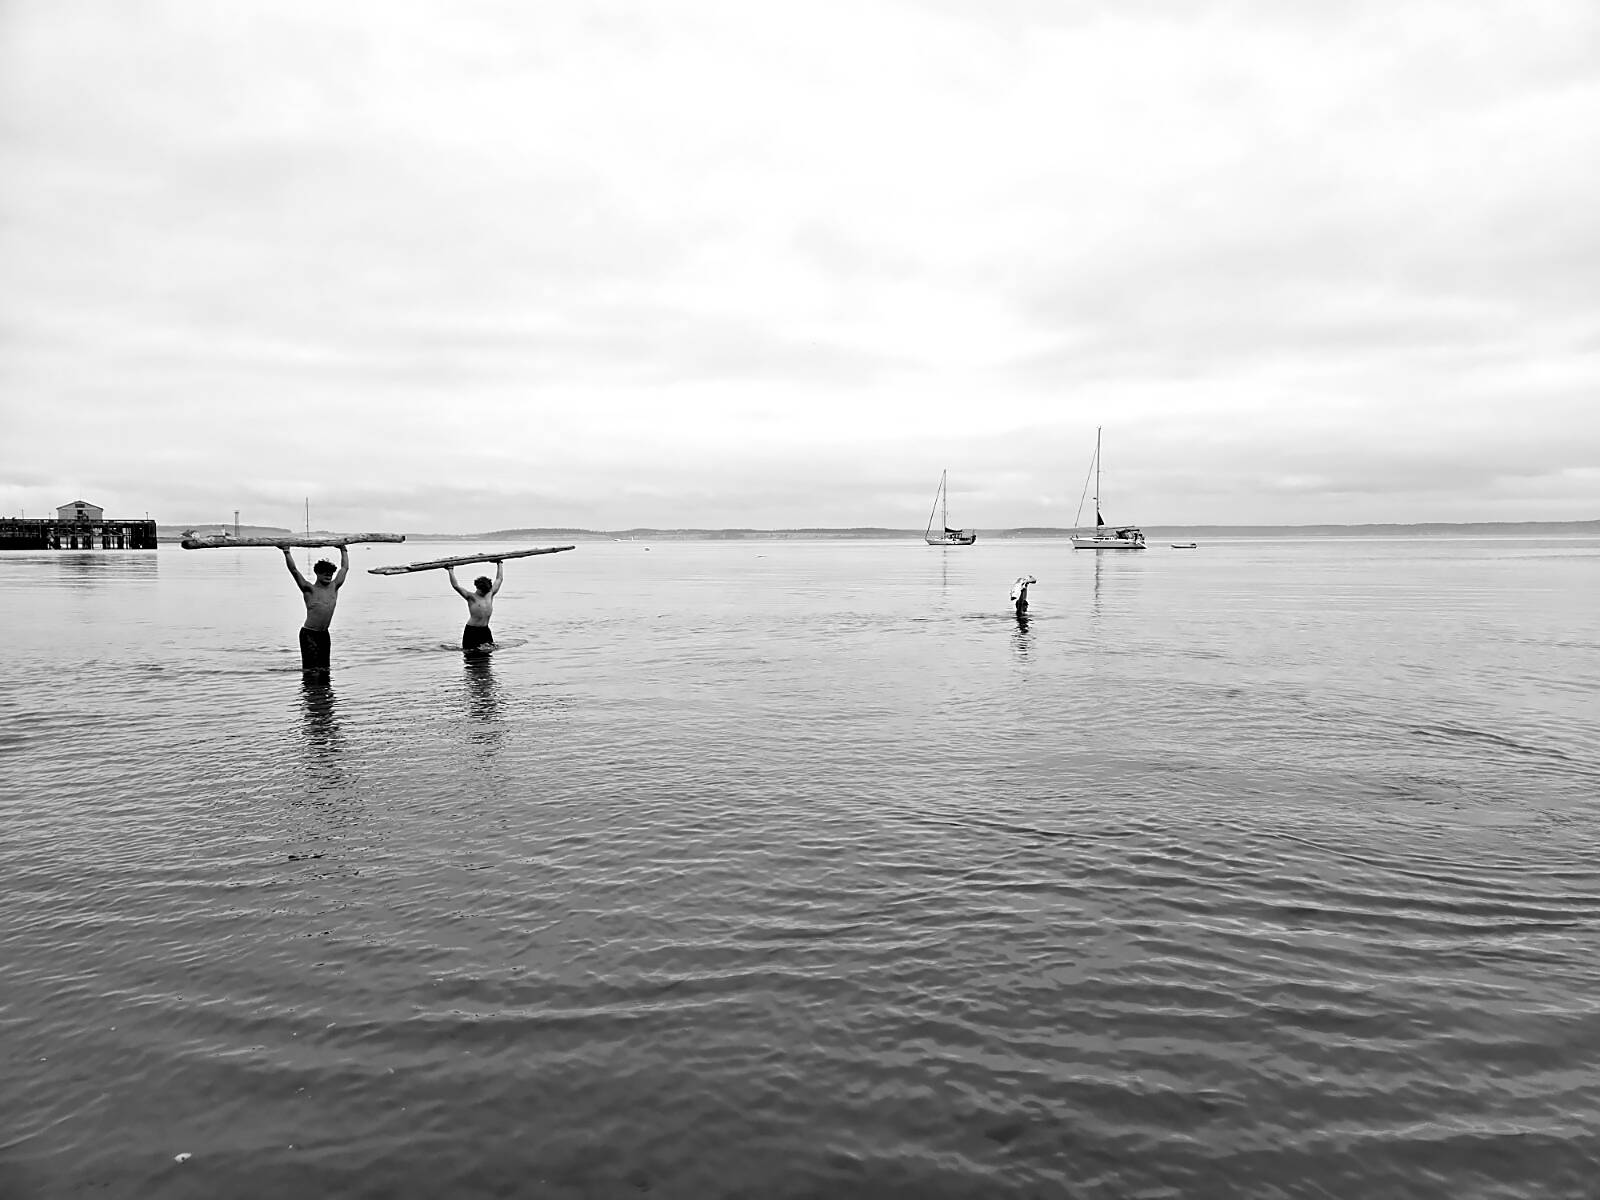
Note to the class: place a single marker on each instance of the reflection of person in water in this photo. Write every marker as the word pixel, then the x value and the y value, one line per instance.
pixel 483 701
pixel 321 721
pixel 483 693
pixel 480 606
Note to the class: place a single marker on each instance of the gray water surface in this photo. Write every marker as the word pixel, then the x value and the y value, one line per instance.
pixel 1268 869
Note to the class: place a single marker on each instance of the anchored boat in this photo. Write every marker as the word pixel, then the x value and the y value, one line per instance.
pixel 1122 537
pixel 947 536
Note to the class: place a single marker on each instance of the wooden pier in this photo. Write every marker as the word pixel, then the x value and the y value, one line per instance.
pixel 20 533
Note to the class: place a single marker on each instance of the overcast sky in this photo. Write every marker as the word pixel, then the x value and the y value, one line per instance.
pixel 462 265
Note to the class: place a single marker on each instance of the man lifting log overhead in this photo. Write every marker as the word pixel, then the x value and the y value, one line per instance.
pixel 315 642
pixel 480 602
pixel 480 606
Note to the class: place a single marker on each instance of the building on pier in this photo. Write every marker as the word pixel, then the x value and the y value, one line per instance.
pixel 77 526
pixel 80 510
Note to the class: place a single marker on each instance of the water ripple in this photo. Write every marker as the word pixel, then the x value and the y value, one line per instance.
pixel 1239 884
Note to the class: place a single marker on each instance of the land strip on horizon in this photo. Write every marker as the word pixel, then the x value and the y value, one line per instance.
pixel 174 533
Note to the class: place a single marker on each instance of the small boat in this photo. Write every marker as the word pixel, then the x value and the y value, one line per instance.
pixel 1184 545
pixel 220 538
pixel 947 536
pixel 1125 537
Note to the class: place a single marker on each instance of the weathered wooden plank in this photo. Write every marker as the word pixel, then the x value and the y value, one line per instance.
pixel 305 543
pixel 463 560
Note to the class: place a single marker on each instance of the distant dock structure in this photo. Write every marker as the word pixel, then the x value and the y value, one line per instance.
pixel 77 526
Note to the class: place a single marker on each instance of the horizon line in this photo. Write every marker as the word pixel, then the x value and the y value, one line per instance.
pixel 891 531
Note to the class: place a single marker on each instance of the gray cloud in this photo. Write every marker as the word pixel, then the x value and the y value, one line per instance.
pixel 712 267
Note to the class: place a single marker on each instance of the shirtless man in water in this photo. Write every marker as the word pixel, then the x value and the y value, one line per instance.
pixel 320 597
pixel 480 605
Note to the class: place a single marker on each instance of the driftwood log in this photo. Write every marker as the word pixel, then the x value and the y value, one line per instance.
pixel 193 542
pixel 463 560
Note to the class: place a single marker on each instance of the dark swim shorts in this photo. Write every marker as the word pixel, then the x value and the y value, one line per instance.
pixel 474 636
pixel 315 645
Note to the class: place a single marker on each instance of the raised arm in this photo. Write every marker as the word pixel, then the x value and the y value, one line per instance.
pixel 344 566
pixel 499 577
pixel 460 591
pixel 288 561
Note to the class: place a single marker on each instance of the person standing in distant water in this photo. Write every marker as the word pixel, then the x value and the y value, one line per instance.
pixel 1019 594
pixel 480 605
pixel 320 597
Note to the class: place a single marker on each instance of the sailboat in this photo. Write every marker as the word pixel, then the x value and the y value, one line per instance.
pixel 946 536
pixel 1126 537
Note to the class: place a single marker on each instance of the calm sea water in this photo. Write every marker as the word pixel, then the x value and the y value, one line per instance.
pixel 1267 869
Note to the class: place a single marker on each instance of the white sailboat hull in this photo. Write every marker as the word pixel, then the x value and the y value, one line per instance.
pixel 960 537
pixel 1109 542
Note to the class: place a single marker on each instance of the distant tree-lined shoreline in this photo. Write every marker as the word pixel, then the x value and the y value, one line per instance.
pixel 877 533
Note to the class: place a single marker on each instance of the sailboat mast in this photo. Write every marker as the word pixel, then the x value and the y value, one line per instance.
pixel 1097 520
pixel 944 501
